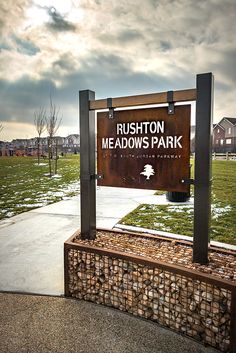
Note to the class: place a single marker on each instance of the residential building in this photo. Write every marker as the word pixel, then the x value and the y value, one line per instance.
pixel 29 147
pixel 218 138
pixel 224 136
pixel 72 144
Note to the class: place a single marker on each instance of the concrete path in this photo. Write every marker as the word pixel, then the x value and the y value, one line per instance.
pixel 31 244
pixel 31 261
pixel 57 325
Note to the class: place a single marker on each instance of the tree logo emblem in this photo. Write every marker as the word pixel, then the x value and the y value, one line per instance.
pixel 148 171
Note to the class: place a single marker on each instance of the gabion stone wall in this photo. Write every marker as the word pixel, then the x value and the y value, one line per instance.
pixel 186 305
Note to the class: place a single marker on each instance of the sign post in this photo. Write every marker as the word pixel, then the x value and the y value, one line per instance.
pixel 87 166
pixel 203 158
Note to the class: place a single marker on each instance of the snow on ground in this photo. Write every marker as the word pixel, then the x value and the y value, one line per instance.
pixel 16 201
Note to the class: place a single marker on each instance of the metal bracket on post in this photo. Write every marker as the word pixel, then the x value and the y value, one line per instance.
pixel 91 177
pixel 170 101
pixel 97 176
pixel 187 181
pixel 111 109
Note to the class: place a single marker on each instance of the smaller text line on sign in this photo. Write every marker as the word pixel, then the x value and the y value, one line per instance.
pixel 145 148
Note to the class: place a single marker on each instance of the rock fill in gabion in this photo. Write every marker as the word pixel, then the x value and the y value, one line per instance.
pixel 189 306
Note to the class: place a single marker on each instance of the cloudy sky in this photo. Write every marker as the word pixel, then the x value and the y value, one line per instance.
pixel 114 47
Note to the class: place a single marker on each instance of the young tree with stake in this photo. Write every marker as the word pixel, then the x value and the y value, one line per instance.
pixel 53 123
pixel 40 124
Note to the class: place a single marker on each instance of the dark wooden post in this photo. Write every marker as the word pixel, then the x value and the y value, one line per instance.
pixel 203 157
pixel 87 166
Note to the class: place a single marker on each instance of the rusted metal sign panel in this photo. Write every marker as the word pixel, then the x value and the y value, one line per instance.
pixel 145 148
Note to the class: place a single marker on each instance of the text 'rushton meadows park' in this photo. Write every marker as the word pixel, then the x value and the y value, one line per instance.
pixel 140 128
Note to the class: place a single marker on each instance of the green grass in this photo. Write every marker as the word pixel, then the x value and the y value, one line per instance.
pixel 179 219
pixel 25 185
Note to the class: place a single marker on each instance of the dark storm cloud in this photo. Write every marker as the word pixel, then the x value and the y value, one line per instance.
pixel 4 46
pixel 127 48
pixel 22 98
pixel 227 63
pixel 58 22
pixel 129 35
pixel 26 47
pixel 65 62
pixel 123 38
pixel 165 46
pixel 106 75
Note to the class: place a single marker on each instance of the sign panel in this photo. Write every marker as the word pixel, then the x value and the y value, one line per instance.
pixel 144 148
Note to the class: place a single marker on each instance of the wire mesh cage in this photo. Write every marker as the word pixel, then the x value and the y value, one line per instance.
pixel 187 305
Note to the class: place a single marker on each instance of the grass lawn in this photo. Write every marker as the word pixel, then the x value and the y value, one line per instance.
pixel 24 184
pixel 179 219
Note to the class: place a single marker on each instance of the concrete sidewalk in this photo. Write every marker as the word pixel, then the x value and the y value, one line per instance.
pixel 31 244
pixel 31 261
pixel 44 324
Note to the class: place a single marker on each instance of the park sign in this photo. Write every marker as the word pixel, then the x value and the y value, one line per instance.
pixel 159 159
pixel 144 148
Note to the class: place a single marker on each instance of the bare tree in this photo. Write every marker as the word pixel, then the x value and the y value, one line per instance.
pixel 1 128
pixel 40 124
pixel 53 123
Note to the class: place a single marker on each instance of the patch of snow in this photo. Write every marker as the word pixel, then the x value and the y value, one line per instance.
pixel 175 209
pixel 56 176
pixel 32 205
pixel 58 193
pixel 220 211
pixel 158 224
pixel 10 214
pixel 181 209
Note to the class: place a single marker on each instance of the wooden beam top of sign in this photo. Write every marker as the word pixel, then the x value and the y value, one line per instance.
pixel 145 99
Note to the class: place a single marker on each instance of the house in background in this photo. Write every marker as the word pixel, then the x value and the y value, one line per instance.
pixel 72 144
pixel 29 147
pixel 224 136
pixel 218 140
pixel 6 149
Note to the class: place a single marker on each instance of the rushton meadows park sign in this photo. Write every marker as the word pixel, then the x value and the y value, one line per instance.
pixel 144 148
pixel 148 148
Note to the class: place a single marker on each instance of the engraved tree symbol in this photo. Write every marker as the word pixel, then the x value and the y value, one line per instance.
pixel 148 171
